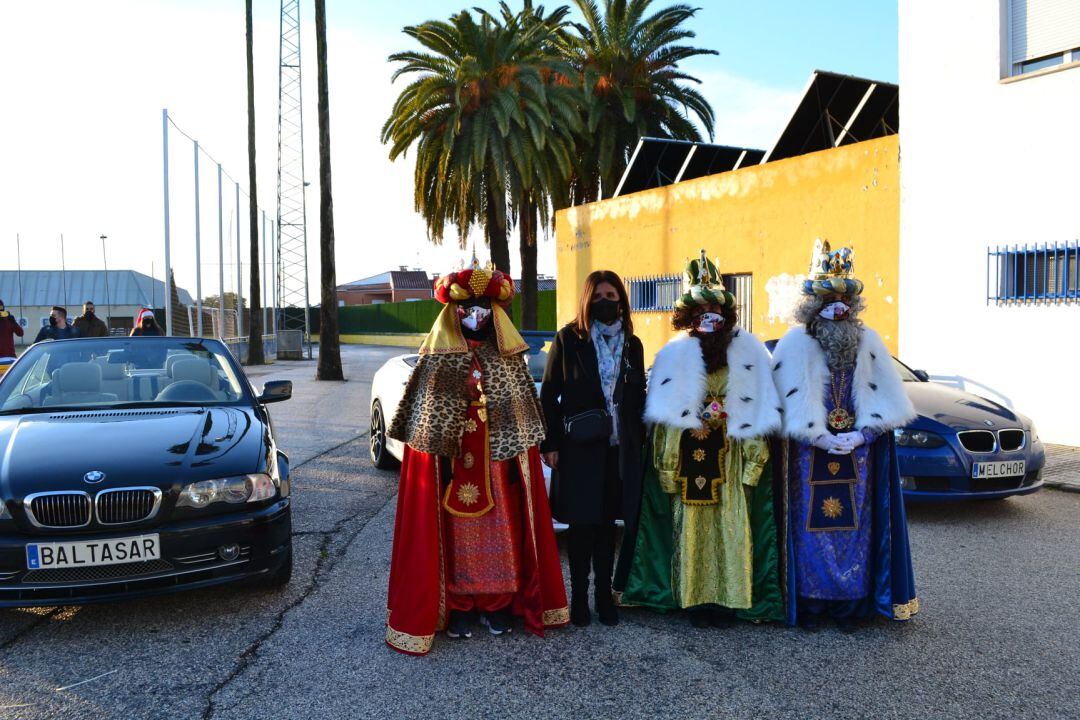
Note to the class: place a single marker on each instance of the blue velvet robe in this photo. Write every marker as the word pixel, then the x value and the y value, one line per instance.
pixel 847 573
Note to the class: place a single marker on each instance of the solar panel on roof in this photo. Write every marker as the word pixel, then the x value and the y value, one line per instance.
pixel 657 162
pixel 837 110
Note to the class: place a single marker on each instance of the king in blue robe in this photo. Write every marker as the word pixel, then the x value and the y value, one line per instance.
pixel 845 551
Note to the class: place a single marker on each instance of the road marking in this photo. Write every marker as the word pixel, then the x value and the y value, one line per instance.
pixel 83 682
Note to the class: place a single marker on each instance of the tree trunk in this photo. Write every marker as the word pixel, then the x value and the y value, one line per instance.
pixel 329 342
pixel 255 347
pixel 495 231
pixel 528 289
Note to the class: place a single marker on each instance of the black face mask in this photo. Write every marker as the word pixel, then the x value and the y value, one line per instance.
pixel 52 321
pixel 606 311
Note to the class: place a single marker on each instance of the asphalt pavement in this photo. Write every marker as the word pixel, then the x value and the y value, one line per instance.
pixel 997 636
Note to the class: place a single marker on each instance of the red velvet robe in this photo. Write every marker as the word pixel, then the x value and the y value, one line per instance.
pixel 417 603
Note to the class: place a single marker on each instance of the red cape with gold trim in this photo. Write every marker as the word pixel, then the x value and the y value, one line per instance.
pixel 416 602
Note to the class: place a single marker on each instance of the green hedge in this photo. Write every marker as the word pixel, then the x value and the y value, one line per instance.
pixel 419 316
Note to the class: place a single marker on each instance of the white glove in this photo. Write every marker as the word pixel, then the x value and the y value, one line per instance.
pixel 831 444
pixel 851 440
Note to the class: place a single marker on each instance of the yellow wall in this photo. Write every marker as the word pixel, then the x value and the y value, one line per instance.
pixel 762 219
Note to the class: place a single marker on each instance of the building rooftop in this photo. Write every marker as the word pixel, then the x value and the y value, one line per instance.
pixel 398 279
pixel 73 288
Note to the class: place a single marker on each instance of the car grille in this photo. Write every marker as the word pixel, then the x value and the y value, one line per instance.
pixel 977 441
pixel 59 509
pixel 95 574
pixel 1011 439
pixel 127 505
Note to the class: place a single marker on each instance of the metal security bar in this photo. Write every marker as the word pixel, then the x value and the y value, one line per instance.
pixel 658 293
pixel 1033 275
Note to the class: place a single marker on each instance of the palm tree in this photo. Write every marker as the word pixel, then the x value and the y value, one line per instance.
pixel 255 347
pixel 629 65
pixel 479 117
pixel 329 341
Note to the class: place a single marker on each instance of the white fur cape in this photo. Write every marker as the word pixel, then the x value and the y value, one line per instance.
pixel 802 376
pixel 676 392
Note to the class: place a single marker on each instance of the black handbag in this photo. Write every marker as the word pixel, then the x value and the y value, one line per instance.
pixel 586 428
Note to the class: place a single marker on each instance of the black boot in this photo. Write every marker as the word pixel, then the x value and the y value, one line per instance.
pixel 699 616
pixel 578 552
pixel 603 566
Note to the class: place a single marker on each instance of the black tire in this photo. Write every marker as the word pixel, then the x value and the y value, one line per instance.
pixel 380 456
pixel 279 578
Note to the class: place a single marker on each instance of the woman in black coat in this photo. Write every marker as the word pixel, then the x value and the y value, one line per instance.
pixel 593 397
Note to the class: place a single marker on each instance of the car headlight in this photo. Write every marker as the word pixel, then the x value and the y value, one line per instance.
pixel 1032 433
pixel 232 490
pixel 917 438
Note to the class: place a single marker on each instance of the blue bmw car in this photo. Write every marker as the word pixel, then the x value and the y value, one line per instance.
pixel 962 446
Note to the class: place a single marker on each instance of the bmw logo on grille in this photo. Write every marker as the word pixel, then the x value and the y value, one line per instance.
pixel 93 477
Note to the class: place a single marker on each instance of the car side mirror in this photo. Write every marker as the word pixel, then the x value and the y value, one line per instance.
pixel 276 391
pixel 922 375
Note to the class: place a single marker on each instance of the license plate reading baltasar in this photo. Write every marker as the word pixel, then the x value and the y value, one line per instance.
pixel 88 553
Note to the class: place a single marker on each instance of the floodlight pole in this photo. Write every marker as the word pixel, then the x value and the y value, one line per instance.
pixel 198 250
pixel 168 258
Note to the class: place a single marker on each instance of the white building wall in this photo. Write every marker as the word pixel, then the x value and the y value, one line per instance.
pixel 985 162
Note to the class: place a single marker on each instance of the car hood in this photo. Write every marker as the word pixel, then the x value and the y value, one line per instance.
pixel 131 447
pixel 957 409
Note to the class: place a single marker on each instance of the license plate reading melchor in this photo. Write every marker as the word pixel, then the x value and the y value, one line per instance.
pixel 88 553
pixel 1003 468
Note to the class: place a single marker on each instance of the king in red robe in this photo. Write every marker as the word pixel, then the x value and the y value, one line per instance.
pixel 473 534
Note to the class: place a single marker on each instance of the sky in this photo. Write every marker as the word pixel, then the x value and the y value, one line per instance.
pixel 81 132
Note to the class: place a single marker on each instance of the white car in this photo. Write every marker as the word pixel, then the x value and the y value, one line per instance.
pixel 388 386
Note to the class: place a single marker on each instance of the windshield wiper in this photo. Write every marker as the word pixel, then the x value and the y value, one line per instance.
pixel 27 411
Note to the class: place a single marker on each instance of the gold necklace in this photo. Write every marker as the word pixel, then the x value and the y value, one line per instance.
pixel 839 418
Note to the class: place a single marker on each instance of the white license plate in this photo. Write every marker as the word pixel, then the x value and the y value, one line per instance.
pixel 88 553
pixel 1002 468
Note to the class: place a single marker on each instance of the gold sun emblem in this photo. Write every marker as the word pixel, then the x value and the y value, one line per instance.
pixel 468 494
pixel 468 461
pixel 834 467
pixel 832 508
pixel 701 433
pixel 699 455
pixel 470 425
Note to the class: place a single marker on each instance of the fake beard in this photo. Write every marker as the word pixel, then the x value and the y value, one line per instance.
pixel 714 347
pixel 839 339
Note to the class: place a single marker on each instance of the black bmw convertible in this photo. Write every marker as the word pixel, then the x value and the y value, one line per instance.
pixel 137 466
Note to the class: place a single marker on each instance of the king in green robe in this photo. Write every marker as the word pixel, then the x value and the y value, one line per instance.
pixel 706 539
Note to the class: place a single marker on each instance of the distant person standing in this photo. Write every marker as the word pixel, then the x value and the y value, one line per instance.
pixel 9 328
pixel 146 324
pixel 58 328
pixel 90 325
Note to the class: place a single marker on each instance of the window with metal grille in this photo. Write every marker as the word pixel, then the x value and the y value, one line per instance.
pixel 658 293
pixel 1049 273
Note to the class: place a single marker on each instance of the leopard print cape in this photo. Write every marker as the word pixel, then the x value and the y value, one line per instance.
pixel 431 416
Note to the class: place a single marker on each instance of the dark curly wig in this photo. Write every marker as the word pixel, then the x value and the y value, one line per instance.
pixel 713 345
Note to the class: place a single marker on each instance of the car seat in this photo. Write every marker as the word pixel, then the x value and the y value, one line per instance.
pixel 78 383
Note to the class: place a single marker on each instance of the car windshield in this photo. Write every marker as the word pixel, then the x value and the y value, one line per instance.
pixel 120 372
pixel 905 372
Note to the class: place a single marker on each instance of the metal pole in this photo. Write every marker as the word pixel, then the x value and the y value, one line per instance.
pixel 239 271
pixel 63 269
pixel 198 250
pixel 168 258
pixel 275 288
pixel 18 274
pixel 108 297
pixel 263 274
pixel 221 260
